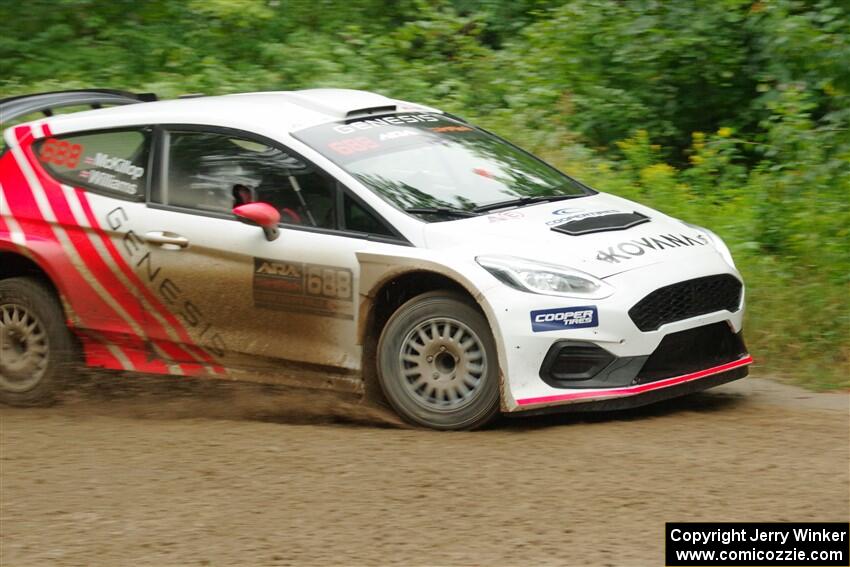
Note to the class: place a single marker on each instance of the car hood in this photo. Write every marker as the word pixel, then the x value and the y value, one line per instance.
pixel 601 250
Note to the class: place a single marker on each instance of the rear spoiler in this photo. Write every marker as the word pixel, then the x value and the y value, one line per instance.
pixel 46 103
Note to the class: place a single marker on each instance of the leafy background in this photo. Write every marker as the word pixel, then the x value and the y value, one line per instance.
pixel 732 114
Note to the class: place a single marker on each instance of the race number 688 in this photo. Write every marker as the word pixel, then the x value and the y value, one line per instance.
pixel 328 282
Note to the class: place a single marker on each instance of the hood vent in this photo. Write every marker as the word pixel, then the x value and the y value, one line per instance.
pixel 605 223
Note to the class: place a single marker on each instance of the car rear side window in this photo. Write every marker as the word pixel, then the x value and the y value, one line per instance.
pixel 114 163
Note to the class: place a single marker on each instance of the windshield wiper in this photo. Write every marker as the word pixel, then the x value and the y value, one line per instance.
pixel 521 201
pixel 448 211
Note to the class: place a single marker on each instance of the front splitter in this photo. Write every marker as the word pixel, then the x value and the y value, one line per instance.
pixel 641 394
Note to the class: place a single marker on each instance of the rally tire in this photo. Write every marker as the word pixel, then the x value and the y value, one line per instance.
pixel 438 364
pixel 36 347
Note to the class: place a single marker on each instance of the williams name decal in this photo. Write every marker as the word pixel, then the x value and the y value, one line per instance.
pixel 564 318
pixel 109 181
pixel 115 165
pixel 625 251
pixel 304 288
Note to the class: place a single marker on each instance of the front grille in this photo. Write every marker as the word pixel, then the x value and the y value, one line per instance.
pixel 691 351
pixel 687 299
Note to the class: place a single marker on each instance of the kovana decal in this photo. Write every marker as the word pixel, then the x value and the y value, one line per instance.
pixel 625 251
pixel 304 288
pixel 564 318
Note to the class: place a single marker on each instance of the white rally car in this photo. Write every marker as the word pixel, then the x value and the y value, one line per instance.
pixel 341 239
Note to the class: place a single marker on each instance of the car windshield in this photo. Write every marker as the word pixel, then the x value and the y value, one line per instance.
pixel 433 166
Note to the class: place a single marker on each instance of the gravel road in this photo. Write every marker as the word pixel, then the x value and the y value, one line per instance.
pixel 135 473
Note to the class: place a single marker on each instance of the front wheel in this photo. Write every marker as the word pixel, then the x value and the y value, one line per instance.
pixel 437 363
pixel 36 349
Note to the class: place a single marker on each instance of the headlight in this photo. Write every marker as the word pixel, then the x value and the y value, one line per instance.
pixel 718 243
pixel 546 279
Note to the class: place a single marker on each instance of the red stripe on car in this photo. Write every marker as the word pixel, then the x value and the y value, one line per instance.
pixel 180 354
pixel 44 242
pixel 133 315
pixel 199 354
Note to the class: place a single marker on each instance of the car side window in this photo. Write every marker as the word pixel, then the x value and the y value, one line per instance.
pixel 112 162
pixel 214 172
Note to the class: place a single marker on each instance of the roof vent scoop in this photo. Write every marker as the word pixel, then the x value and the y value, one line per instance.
pixel 343 104
pixel 605 223
pixel 370 111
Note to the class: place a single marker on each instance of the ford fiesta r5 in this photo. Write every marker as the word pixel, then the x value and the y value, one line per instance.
pixel 341 239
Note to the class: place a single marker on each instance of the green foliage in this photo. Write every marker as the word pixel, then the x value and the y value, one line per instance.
pixel 732 114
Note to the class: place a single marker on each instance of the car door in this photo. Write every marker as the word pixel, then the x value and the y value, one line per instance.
pixel 254 304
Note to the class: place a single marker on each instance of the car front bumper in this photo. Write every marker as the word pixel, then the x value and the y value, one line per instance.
pixel 525 352
pixel 628 398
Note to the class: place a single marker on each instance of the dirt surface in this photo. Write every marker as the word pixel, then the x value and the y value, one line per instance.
pixel 135 473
